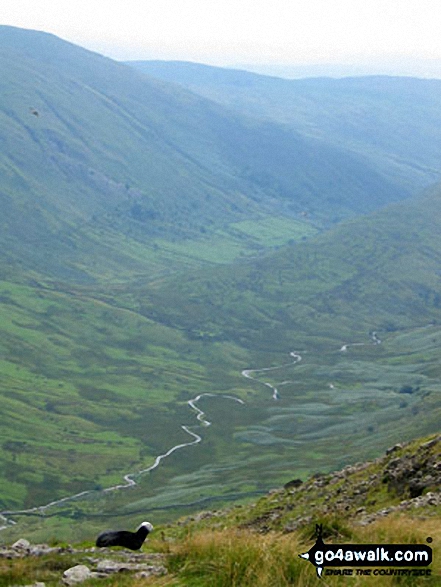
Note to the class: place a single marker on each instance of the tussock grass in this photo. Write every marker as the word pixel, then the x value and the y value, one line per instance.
pixel 240 558
pixel 45 569
pixel 404 529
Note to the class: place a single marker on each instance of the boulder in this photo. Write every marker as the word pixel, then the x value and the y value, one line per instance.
pixel 22 545
pixel 77 574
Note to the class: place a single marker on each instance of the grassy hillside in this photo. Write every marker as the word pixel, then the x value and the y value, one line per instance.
pixel 392 122
pixel 380 271
pixel 100 164
pixel 134 355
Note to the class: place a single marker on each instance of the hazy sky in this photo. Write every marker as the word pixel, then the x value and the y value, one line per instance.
pixel 228 32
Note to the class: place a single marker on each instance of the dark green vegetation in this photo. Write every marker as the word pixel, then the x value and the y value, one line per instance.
pixel 153 246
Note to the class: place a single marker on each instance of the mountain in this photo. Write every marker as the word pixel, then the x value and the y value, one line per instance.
pixel 99 161
pixel 392 122
pixel 164 267
pixel 410 67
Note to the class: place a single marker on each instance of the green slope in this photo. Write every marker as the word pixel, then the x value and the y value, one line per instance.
pixel 377 272
pixel 98 161
pixel 393 500
pixel 392 122
pixel 122 363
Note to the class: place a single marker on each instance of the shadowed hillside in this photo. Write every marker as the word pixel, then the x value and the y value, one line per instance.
pixel 393 123
pixel 377 272
pixel 101 162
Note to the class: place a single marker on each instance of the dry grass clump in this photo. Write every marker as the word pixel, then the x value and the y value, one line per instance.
pixel 240 558
pixel 236 558
pixel 32 569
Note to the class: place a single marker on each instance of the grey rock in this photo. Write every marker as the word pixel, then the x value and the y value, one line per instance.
pixel 21 545
pixel 433 442
pixel 293 484
pixel 77 574
pixel 152 571
pixel 204 516
pixel 394 448
pixel 110 566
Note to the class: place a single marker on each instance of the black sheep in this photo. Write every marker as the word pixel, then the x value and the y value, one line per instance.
pixel 132 540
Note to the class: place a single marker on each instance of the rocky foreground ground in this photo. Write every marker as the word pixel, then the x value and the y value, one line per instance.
pixel 95 564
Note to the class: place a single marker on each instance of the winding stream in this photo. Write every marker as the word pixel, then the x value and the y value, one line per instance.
pixel 129 480
pixel 374 337
pixel 247 373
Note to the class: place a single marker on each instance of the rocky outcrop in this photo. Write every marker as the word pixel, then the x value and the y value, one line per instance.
pixel 92 565
pixel 23 548
pixel 411 474
pixel 100 569
pixel 428 500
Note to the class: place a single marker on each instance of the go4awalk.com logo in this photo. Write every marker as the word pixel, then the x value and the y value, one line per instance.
pixel 329 556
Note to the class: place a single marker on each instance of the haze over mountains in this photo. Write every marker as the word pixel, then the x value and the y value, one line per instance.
pixel 108 149
pixel 158 240
pixel 410 67
pixel 391 122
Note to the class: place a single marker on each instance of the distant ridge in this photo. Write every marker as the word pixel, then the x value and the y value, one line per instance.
pixel 393 122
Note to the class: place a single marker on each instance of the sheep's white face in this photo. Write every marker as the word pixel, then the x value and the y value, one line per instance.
pixel 146 525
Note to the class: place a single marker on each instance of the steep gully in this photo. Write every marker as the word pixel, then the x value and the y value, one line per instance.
pixel 129 480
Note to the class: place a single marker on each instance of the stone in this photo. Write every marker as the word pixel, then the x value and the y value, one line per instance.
pixel 152 571
pixel 42 549
pixel 21 544
pixel 431 443
pixel 204 516
pixel 394 448
pixel 108 567
pixel 77 574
